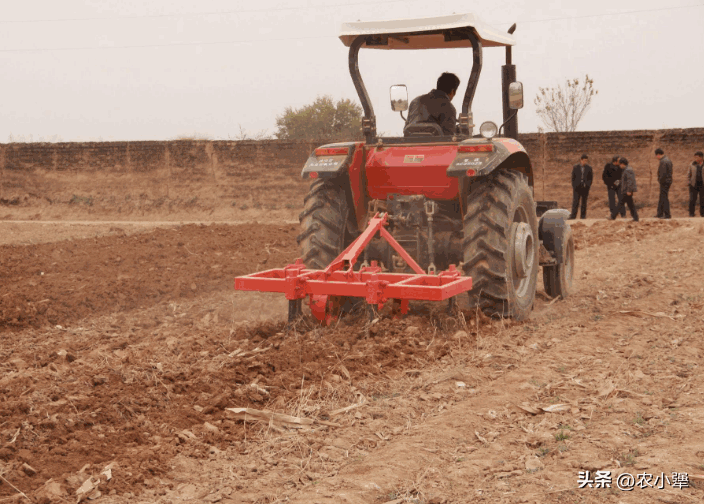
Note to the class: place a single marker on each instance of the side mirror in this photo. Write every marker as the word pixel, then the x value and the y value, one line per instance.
pixel 399 97
pixel 515 95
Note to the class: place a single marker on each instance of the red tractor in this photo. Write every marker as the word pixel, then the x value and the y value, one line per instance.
pixel 463 200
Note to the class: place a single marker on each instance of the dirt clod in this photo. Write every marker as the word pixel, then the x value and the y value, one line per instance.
pixel 99 380
pixel 28 469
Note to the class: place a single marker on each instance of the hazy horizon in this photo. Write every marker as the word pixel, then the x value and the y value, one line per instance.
pixel 106 70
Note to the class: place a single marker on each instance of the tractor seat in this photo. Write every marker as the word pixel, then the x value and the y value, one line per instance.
pixel 422 129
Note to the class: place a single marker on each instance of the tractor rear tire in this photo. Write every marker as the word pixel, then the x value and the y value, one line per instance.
pixel 325 224
pixel 557 279
pixel 500 245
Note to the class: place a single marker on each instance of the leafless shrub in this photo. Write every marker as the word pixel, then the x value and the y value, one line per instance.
pixel 562 107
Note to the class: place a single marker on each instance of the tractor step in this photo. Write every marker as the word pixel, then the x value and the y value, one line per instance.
pixel 339 280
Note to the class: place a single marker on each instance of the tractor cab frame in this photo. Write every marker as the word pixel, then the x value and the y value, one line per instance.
pixel 446 32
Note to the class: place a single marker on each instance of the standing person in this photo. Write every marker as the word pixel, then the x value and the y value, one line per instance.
pixel 582 176
pixel 612 178
pixel 665 181
pixel 628 187
pixel 695 178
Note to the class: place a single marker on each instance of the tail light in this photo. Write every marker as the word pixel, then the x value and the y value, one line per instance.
pixel 476 148
pixel 313 174
pixel 471 173
pixel 332 151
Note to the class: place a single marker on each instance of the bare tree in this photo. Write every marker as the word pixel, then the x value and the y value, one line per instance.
pixel 562 107
pixel 244 135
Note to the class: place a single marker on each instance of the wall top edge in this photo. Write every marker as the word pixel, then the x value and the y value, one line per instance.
pixel 684 131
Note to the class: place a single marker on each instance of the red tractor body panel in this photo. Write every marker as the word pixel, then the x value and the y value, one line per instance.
pixel 409 169
pixel 433 170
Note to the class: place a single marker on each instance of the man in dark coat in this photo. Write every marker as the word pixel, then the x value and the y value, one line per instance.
pixel 628 188
pixel 665 181
pixel 695 180
pixel 436 106
pixel 582 176
pixel 612 178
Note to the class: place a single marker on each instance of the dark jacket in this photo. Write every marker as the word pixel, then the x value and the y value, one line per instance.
pixel 628 181
pixel 577 180
pixel 692 174
pixel 434 107
pixel 665 171
pixel 612 175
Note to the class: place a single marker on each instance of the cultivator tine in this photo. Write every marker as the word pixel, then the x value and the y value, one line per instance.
pixel 295 309
pixel 400 308
pixel 452 305
pixel 371 312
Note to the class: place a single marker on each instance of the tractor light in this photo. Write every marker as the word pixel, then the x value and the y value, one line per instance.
pixel 476 148
pixel 488 130
pixel 471 173
pixel 332 151
pixel 313 174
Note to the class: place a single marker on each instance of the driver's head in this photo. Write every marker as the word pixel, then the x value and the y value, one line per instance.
pixel 448 84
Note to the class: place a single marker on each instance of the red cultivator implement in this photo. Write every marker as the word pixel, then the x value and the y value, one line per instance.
pixel 326 289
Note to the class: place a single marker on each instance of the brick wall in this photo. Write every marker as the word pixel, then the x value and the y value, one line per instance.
pixel 144 157
pixel 552 154
pixel 555 148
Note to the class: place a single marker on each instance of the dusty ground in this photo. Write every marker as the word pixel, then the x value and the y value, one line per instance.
pixel 122 345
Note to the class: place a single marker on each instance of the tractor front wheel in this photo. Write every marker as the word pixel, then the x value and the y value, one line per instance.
pixel 558 278
pixel 500 244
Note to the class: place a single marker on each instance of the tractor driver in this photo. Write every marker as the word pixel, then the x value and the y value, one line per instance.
pixel 436 106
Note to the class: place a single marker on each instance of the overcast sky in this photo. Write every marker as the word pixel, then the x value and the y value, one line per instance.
pixel 78 70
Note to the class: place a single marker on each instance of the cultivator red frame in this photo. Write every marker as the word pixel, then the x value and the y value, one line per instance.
pixel 327 288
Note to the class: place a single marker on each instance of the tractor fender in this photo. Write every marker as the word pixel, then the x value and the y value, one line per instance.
pixel 552 229
pixel 329 161
pixel 346 168
pixel 506 153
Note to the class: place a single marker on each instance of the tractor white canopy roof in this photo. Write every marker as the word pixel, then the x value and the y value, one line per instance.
pixel 418 33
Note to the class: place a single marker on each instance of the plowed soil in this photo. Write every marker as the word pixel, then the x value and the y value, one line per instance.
pixel 62 282
pixel 123 351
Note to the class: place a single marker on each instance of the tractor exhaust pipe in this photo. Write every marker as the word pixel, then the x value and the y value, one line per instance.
pixel 508 75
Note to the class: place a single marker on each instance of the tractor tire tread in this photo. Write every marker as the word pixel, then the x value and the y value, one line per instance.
pixel 485 244
pixel 322 224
